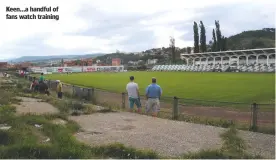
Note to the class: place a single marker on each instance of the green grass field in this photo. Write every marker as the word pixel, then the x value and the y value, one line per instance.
pixel 232 87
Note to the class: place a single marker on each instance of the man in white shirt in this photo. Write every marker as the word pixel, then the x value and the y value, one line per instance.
pixel 133 94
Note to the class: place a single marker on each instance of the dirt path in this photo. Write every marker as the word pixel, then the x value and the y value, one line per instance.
pixel 166 137
pixel 34 106
pixel 224 113
pixel 213 112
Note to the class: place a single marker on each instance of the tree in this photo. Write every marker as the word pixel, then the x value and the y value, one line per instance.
pixel 223 43
pixel 189 50
pixel 255 43
pixel 214 41
pixel 209 46
pixel 78 62
pixel 218 33
pixel 62 62
pixel 140 63
pixel 203 47
pixel 172 46
pixel 196 38
pixel 184 50
pixel 262 38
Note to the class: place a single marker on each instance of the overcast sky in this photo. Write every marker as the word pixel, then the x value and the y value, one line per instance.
pixel 104 26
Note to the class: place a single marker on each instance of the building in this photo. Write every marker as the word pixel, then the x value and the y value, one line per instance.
pixel 251 60
pixel 87 62
pixel 82 62
pixel 23 65
pixel 3 65
pixel 136 62
pixel 116 61
pixel 69 63
pixel 11 66
pixel 250 56
pixel 152 61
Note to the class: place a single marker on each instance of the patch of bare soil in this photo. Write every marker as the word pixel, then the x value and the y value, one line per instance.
pixel 259 144
pixel 220 112
pixel 34 106
pixel 115 99
pixel 167 137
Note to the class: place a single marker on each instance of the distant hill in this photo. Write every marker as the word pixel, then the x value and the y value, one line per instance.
pixel 48 58
pixel 253 39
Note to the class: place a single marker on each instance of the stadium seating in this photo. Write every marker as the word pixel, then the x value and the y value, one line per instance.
pixel 216 68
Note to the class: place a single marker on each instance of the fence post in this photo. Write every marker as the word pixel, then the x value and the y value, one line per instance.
pixel 93 96
pixel 49 84
pixel 89 94
pixel 175 108
pixel 254 126
pixel 123 100
pixel 73 91
pixel 83 94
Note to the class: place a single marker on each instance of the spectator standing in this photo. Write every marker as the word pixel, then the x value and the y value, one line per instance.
pixel 59 89
pixel 41 78
pixel 133 95
pixel 34 85
pixel 153 94
pixel 43 88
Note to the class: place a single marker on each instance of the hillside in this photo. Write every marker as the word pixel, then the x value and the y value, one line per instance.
pixel 253 39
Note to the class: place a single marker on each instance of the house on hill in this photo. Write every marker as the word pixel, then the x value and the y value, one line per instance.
pixel 3 65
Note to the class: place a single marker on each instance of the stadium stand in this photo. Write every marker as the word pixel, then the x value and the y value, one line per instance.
pixel 253 60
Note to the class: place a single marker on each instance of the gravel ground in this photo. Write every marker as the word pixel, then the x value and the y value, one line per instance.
pixel 32 105
pixel 259 144
pixel 167 137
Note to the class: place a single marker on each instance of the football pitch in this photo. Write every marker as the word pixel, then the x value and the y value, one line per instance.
pixel 230 87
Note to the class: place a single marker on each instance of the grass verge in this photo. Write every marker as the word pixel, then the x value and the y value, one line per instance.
pixel 24 140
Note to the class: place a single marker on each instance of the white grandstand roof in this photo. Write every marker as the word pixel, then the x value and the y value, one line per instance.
pixel 260 51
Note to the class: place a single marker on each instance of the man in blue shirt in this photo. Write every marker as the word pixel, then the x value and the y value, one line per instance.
pixel 153 94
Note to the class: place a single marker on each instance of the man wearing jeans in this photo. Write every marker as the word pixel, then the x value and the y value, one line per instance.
pixel 59 89
pixel 133 95
pixel 153 94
